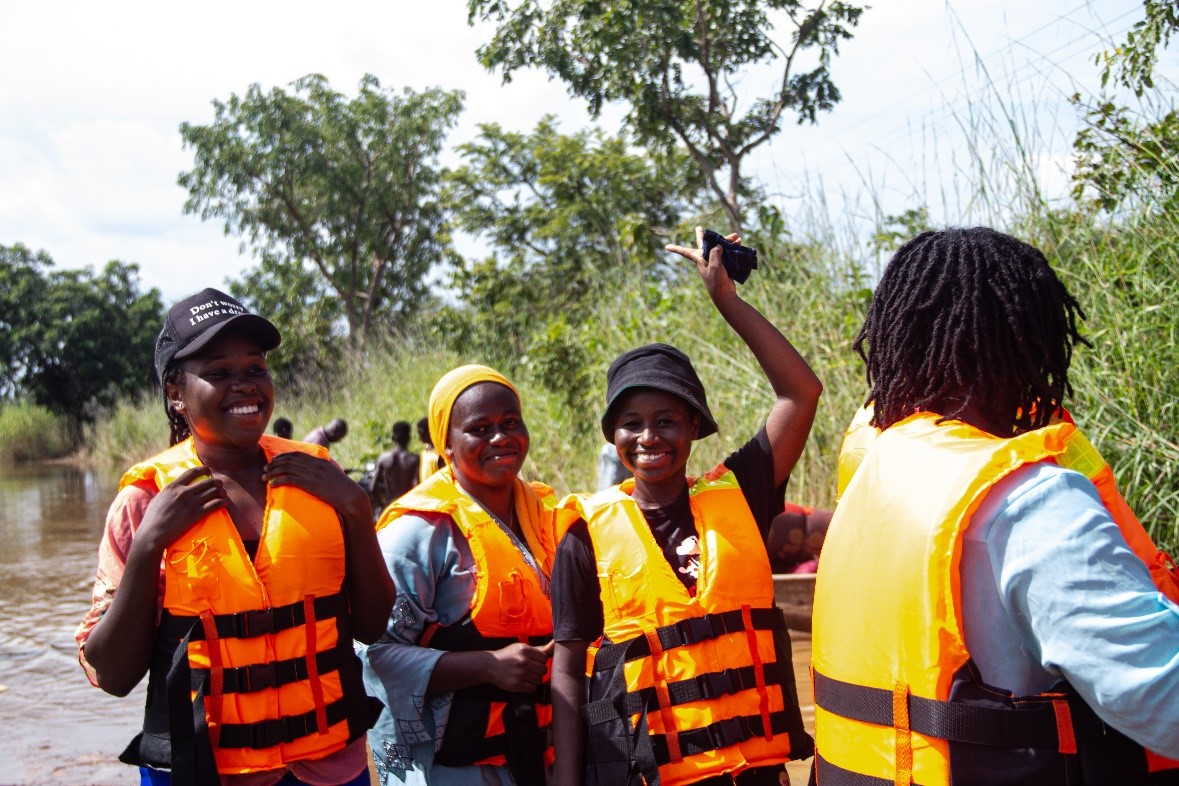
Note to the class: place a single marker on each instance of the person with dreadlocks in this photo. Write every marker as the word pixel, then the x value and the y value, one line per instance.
pixel 979 615
pixel 234 570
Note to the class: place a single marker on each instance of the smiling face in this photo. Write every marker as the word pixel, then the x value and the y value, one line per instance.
pixel 225 392
pixel 653 433
pixel 487 440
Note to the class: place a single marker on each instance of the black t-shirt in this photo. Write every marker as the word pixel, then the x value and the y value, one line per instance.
pixel 576 593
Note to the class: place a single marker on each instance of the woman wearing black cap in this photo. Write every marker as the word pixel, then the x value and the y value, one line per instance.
pixel 668 579
pixel 235 569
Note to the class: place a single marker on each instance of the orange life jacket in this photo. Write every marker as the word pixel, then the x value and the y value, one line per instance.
pixel 231 688
pixel 684 687
pixel 897 698
pixel 487 725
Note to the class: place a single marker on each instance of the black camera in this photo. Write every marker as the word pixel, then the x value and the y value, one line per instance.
pixel 738 260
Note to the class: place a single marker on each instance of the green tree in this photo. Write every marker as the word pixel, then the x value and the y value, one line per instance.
pixel 1132 64
pixel 296 299
pixel 345 188
pixel 75 340
pixel 22 291
pixel 677 64
pixel 1128 157
pixel 568 218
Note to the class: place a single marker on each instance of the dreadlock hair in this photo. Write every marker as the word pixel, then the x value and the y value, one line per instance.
pixel 966 316
pixel 176 421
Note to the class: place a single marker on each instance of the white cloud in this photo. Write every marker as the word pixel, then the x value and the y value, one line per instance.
pixel 94 93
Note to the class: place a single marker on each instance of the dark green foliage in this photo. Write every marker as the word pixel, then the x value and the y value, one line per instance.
pixel 675 64
pixel 74 341
pixel 23 286
pixel 1126 391
pixel 1127 158
pixel 306 312
pixel 571 220
pixel 333 193
pixel 1132 63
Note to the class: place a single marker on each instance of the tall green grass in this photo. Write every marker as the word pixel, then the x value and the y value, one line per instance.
pixel 1126 388
pixel 815 285
pixel 32 433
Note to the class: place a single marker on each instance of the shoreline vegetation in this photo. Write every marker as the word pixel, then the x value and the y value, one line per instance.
pixel 1125 390
pixel 574 276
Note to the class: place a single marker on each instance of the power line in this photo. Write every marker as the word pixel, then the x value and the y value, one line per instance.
pixel 950 109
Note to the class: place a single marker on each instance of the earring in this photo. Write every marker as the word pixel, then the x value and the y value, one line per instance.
pixel 178 406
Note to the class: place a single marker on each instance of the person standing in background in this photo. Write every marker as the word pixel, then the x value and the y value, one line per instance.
pixel 324 436
pixel 284 428
pixel 431 462
pixel 397 469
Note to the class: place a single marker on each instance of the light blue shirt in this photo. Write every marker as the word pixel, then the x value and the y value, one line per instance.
pixel 432 567
pixel 1052 592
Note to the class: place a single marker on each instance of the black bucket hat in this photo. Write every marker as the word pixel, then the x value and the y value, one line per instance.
pixel 195 321
pixel 661 367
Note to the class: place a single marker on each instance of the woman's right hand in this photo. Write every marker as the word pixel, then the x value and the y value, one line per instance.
pixel 180 505
pixel 520 668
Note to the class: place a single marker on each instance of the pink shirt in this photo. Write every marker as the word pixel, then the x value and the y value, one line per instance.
pixel 122 520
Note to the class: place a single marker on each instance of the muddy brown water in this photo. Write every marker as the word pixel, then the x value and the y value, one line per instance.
pixel 54 727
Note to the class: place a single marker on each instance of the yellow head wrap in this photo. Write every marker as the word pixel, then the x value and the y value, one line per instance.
pixel 448 389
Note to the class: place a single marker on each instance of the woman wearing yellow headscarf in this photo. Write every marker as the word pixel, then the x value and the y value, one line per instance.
pixel 462 667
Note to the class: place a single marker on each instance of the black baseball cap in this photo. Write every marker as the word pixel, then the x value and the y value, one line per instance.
pixel 658 366
pixel 198 319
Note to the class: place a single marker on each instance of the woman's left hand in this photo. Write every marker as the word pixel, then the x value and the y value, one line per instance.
pixel 712 270
pixel 320 478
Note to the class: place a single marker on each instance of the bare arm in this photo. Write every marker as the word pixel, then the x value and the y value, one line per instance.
pixel 568 687
pixel 120 646
pixel 370 589
pixel 794 383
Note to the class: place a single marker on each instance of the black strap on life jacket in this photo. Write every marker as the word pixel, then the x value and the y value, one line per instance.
pixel 830 774
pixel 1031 726
pixel 466 741
pixel 688 631
pixel 187 689
pixel 648 751
pixel 705 686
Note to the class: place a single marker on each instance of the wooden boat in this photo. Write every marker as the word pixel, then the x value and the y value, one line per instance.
pixel 795 595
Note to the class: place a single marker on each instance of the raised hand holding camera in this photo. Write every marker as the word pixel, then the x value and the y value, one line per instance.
pixel 738 260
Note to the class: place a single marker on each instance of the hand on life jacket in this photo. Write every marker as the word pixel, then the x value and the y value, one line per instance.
pixel 180 505
pixel 319 478
pixel 520 668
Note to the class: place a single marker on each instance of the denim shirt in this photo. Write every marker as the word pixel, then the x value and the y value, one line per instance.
pixel 1052 592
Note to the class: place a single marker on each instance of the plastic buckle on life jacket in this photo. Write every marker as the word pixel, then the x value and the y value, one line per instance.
pixel 718 683
pixel 272 732
pixel 696 629
pixel 259 676
pixel 249 624
pixel 728 732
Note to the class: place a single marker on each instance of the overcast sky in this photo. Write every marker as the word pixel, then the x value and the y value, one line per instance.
pixel 92 95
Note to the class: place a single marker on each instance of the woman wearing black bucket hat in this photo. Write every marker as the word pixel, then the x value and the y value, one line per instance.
pixel 235 569
pixel 668 579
